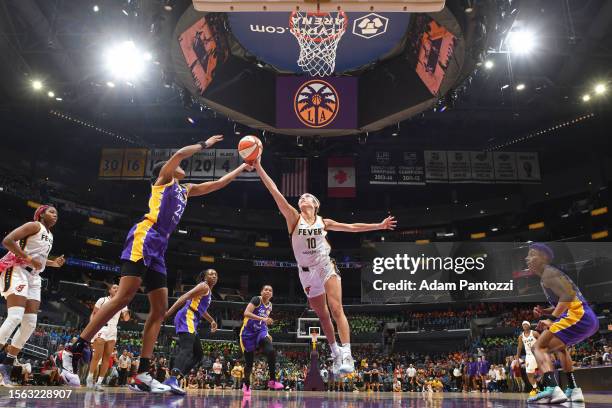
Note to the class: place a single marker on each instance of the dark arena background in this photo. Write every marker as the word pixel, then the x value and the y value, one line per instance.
pixel 482 126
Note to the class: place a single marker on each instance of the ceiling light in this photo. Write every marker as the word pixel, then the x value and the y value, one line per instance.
pixel 96 8
pixel 600 89
pixel 586 97
pixel 51 94
pixel 489 64
pixel 520 87
pixel 37 85
pixel 521 41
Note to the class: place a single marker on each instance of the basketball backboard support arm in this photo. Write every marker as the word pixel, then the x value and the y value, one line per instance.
pixel 228 6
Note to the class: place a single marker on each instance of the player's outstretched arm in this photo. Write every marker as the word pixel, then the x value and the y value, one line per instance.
pixel 200 289
pixel 291 215
pixel 167 171
pixel 388 223
pixel 210 186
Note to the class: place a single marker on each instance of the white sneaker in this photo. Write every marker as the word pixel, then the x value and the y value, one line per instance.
pixel 89 383
pixel 337 363
pixel 558 396
pixel 144 382
pixel 348 364
pixel 576 395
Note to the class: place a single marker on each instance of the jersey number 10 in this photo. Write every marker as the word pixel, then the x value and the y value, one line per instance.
pixel 312 243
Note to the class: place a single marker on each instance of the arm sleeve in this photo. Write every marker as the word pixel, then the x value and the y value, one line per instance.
pixel 255 301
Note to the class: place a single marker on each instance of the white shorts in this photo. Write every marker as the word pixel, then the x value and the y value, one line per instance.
pixel 530 364
pixel 313 280
pixel 18 281
pixel 106 333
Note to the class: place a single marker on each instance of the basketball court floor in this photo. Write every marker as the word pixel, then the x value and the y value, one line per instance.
pixel 123 398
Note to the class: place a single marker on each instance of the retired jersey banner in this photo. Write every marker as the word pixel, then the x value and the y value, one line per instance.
pixel 314 103
pixel 341 177
pixel 383 169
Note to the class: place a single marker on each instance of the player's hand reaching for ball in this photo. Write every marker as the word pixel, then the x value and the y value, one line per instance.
pixel 388 223
pixel 248 166
pixel 212 140
pixel 269 321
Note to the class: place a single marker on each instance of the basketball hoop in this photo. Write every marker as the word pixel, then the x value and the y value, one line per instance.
pixel 318 35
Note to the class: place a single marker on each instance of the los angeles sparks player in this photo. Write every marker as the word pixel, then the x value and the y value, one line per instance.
pixel 568 321
pixel 528 338
pixel 318 273
pixel 31 244
pixel 143 257
pixel 104 341
pixel 193 307
pixel 254 335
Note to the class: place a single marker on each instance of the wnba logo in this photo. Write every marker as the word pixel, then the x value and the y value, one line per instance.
pixel 316 103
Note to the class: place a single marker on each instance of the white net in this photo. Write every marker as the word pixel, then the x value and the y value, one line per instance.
pixel 318 35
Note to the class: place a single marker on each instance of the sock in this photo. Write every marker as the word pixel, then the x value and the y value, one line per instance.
pixel 9 359
pixel 144 364
pixel 335 349
pixel 99 380
pixel 571 380
pixel 347 347
pixel 90 377
pixel 549 379
pixel 534 386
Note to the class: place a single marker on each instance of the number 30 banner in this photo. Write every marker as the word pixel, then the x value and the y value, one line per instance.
pixel 137 164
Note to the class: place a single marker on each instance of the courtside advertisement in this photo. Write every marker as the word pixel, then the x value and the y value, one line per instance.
pixel 477 272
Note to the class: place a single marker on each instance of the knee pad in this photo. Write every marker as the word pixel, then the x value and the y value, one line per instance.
pixel 13 318
pixel 28 324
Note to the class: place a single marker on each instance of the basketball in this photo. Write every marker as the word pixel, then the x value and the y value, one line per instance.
pixel 250 148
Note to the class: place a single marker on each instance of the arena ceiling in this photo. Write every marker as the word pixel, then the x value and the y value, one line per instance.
pixel 61 42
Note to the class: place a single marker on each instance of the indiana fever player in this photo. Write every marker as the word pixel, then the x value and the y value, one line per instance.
pixel 569 320
pixel 254 335
pixel 318 273
pixel 143 257
pixel 192 307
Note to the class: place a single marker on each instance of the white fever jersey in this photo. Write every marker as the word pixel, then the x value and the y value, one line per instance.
pixel 309 242
pixel 38 246
pixel 115 319
pixel 528 342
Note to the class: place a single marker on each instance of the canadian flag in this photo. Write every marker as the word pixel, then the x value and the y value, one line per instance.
pixel 341 177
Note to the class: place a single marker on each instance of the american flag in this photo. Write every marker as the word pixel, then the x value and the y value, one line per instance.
pixel 295 177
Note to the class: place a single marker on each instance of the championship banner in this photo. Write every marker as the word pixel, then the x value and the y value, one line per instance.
pixel 382 169
pixel 482 167
pixel 134 163
pixel 341 177
pixel 313 103
pixel 111 163
pixel 436 167
pixel 459 169
pixel 528 167
pixel 411 170
pixel 226 161
pixel 505 166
